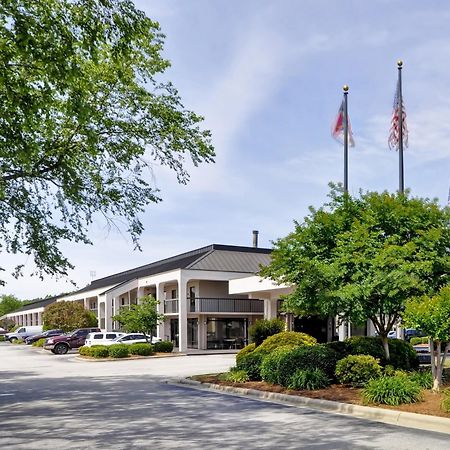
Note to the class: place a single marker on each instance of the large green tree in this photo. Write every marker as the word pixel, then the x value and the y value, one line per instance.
pixel 362 257
pixel 67 316
pixel 142 317
pixel 85 114
pixel 9 303
pixel 431 314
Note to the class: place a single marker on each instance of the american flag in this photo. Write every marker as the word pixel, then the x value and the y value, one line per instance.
pixel 337 129
pixel 394 134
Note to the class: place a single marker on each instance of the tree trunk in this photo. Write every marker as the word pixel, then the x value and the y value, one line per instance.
pixel 437 363
pixel 385 342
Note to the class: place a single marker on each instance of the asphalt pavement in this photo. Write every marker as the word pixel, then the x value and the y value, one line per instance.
pixel 53 402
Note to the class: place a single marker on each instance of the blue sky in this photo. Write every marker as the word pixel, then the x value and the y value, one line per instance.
pixel 268 77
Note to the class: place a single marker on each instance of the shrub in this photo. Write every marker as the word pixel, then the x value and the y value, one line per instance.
pixel 285 338
pixel 402 354
pixel 247 349
pixel 270 364
pixel 264 328
pixel 84 351
pixel 251 363
pixel 445 405
pixel 39 343
pixel 17 341
pixel 118 350
pixel 235 376
pixel 309 379
pixel 339 347
pixel 99 351
pixel 418 340
pixel 141 349
pixel 392 391
pixel 357 370
pixel 163 347
pixel 306 357
pixel 423 378
pixel 2 338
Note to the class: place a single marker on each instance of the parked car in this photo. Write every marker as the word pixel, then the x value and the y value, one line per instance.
pixel 23 333
pixel 60 345
pixel 2 331
pixel 411 332
pixel 101 338
pixel 133 338
pixel 44 335
pixel 392 334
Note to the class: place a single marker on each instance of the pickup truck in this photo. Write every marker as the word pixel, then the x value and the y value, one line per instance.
pixel 60 345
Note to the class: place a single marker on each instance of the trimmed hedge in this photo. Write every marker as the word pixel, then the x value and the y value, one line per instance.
pixel 357 370
pixel 2 338
pixel 418 340
pixel 270 364
pixel 99 351
pixel 251 363
pixel 118 350
pixel 293 338
pixel 141 349
pixel 307 357
pixel 445 405
pixel 163 347
pixel 244 351
pixel 403 356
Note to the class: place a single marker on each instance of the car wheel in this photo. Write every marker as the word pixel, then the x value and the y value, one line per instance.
pixel 61 349
pixel 12 340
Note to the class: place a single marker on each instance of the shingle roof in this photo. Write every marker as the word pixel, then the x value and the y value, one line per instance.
pixel 36 304
pixel 228 258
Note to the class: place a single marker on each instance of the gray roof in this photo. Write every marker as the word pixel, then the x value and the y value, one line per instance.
pixel 41 303
pixel 227 258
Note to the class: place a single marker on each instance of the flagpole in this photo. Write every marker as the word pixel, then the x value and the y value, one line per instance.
pixel 401 174
pixel 345 89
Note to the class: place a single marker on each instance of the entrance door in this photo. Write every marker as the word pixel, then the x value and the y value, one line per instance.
pixel 174 332
pixel 192 329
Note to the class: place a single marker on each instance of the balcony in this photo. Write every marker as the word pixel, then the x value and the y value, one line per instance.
pixel 217 305
pixel 171 306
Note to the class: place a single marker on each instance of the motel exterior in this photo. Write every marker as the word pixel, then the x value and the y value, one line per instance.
pixel 209 296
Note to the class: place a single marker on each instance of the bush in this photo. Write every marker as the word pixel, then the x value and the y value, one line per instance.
pixel 445 405
pixel 17 341
pixel 247 349
pixel 2 338
pixel 392 391
pixel 264 328
pixel 285 338
pixel 357 370
pixel 402 354
pixel 99 351
pixel 39 343
pixel 163 347
pixel 84 351
pixel 118 350
pixel 309 379
pixel 235 376
pixel 270 364
pixel 306 357
pixel 418 340
pixel 339 347
pixel 141 349
pixel 251 363
pixel 423 378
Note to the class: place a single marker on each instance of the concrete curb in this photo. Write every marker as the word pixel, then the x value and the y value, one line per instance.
pixel 169 355
pixel 392 417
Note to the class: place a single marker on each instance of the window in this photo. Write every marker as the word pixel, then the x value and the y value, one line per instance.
pixel 98 336
pixel 21 330
pixel 111 335
pixel 174 293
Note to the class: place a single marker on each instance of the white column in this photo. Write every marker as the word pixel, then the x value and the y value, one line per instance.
pixel 140 293
pixel 160 297
pixel 182 313
pixel 86 303
pixel 271 308
pixel 108 312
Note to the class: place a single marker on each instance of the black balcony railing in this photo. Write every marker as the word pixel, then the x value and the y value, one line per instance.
pixel 226 305
pixel 171 306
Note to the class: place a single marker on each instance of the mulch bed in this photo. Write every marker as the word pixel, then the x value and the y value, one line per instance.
pixel 431 404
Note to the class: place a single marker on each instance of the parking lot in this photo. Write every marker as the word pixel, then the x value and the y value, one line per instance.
pixel 58 402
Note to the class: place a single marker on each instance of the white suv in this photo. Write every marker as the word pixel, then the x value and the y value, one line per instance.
pixel 102 338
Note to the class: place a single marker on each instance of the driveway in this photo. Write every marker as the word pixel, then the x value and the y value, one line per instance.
pixel 50 402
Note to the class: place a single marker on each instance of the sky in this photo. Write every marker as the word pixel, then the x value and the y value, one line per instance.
pixel 268 76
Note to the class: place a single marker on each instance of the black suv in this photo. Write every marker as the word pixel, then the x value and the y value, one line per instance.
pixel 60 345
